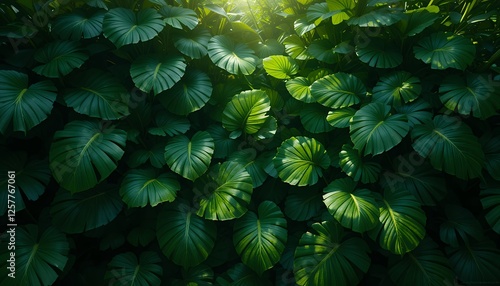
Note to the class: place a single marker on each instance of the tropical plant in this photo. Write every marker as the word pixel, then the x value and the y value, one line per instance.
pixel 256 142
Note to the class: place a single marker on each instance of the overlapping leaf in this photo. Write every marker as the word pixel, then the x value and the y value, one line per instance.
pixel 233 57
pixel 155 72
pixel 338 90
pixel 59 58
pixel 142 187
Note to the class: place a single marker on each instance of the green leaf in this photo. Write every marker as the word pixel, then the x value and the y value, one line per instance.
pixel 338 90
pixel 224 145
pixel 157 72
pixel 167 124
pixel 375 131
pixel 246 157
pixel 233 57
pixel 302 26
pixel 443 50
pixel 155 155
pixel 178 17
pixel 446 137
pixel 299 161
pixel 491 150
pixel 76 213
pixel 416 112
pixel 300 89
pixel 416 21
pixel 425 265
pixel 402 222
pixel 340 118
pixel 490 199
pixel 85 153
pixel 260 238
pixel 122 26
pixel 476 262
pixel 247 111
pixel 459 225
pixel 240 275
pixel 357 167
pixel 59 58
pixel 380 54
pixel 40 256
pixel 142 187
pixel 137 271
pixel 396 88
pixel 355 209
pixel 98 94
pixel 295 48
pixel 324 50
pixel 470 95
pixel 79 24
pixel 199 275
pixel 269 47
pixel 313 118
pixel 325 255
pixel 302 206
pixel 184 237
pixel 26 106
pixel 280 67
pixel 318 12
pixel 343 8
pixel 377 18
pixel 190 158
pixel 191 93
pixel 193 43
pixel 227 192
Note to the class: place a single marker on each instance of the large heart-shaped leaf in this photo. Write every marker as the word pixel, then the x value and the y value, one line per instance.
pixel 76 213
pixel 313 118
pixel 260 238
pixel 450 146
pixel 227 190
pixel 25 105
pixel 40 256
pixel 246 112
pixel 354 209
pixel 443 50
pixel 79 24
pixel 473 95
pixel 178 17
pixel 357 167
pixel 402 222
pixel 490 199
pixel 425 265
pixel 193 43
pixel 157 72
pixel 379 54
pixel 343 8
pixel 85 153
pixel 59 58
pixel 191 93
pixel 396 88
pixel 491 148
pixel 300 89
pixel 417 112
pixel 254 167
pixel 190 158
pixel 377 18
pixel 129 269
pixel 476 262
pixel 233 57
pixel 341 117
pixel 98 94
pixel 280 67
pixel 338 90
pixel 374 130
pixel 167 124
pixel 122 26
pixel 417 20
pixel 184 237
pixel 300 161
pixel 325 255
pixel 140 187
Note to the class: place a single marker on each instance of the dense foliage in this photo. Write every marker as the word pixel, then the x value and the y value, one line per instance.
pixel 267 142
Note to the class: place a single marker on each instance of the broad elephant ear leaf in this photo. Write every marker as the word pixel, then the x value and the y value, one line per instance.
pixel 338 90
pixel 141 271
pixel 377 18
pixel 59 58
pixel 167 124
pixel 476 261
pixel 397 88
pixel 200 275
pixel 300 160
pixel 443 50
pixel 374 130
pixel 355 209
pixel 380 54
pixel 76 213
pixel 40 255
pixel 190 158
pixel 98 94
pixel 235 58
pixel 22 104
pixel 314 118
pixel 142 187
pixel 177 17
pixel 155 72
pixel 280 67
pixel 229 187
pixel 260 238
pixel 343 8
pixel 246 112
pixel 357 167
pixel 417 20
pixel 300 89
pixel 325 255
pixel 402 222
pixel 184 237
pixel 425 265
pixel 79 24
pixel 193 43
pixel 191 93
pixel 122 26
pixel 341 117
pixel 446 137
pixel 85 153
